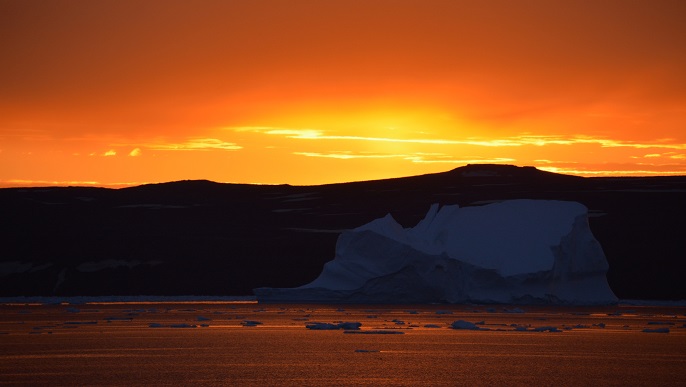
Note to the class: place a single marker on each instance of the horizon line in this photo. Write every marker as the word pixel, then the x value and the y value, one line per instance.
pixel 21 183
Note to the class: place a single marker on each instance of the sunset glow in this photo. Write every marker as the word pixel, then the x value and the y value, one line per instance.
pixel 117 93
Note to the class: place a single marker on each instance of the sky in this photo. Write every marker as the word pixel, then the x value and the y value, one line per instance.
pixel 116 93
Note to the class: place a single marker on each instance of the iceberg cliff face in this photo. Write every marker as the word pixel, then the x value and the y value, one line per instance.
pixel 518 251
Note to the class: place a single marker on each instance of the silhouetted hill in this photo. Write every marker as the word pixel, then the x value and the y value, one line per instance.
pixel 206 238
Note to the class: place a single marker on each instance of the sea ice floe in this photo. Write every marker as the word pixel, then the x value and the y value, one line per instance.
pixel 547 328
pixel 462 324
pixel 376 332
pixel 656 330
pixel 330 326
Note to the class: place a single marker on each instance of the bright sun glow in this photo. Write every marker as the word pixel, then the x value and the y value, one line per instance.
pixel 320 92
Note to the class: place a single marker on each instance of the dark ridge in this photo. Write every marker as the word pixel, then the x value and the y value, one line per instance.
pixel 197 237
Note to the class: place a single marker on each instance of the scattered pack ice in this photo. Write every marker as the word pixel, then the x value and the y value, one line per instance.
pixel 516 251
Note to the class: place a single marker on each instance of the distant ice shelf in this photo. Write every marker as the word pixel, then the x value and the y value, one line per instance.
pixel 510 252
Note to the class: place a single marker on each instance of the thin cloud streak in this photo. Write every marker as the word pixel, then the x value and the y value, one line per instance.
pixel 197 144
pixel 609 173
pixel 415 157
pixel 516 141
pixel 66 183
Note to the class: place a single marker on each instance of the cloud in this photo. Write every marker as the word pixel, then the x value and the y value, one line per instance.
pixel 135 152
pixel 63 183
pixel 413 157
pixel 513 141
pixel 110 152
pixel 193 144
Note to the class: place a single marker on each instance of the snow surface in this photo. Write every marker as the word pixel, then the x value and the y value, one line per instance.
pixel 516 251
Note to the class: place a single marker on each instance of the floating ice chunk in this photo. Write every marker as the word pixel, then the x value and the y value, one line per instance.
pixel 114 318
pixel 431 326
pixel 547 329
pixel 80 322
pixel 183 326
pixel 201 318
pixel 462 324
pixel 155 325
pixel 251 323
pixel 350 325
pixel 366 350
pixel 377 332
pixel 329 326
pixel 320 326
pixel 656 330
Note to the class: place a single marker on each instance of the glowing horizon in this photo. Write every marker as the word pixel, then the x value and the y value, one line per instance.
pixel 119 93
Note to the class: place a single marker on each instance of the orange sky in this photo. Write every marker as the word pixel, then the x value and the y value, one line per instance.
pixel 111 93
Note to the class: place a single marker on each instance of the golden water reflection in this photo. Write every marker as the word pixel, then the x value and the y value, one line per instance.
pixel 221 343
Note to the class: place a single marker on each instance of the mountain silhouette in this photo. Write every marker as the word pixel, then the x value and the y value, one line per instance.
pixel 198 237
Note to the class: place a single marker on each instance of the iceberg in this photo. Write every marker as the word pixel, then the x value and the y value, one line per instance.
pixel 510 252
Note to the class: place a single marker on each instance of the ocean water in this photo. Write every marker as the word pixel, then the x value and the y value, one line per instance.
pixel 249 344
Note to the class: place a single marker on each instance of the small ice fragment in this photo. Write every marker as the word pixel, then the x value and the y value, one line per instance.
pixel 319 326
pixel 155 325
pixel 250 323
pixel 444 312
pixel 366 350
pixel 462 324
pixel 656 330
pixel 377 332
pixel 350 325
pixel 183 326
pixel 547 329
pixel 80 322
pixel 113 318
pixel 329 326
pixel 431 326
pixel 201 318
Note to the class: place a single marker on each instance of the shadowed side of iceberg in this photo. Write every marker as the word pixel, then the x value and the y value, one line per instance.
pixel 521 251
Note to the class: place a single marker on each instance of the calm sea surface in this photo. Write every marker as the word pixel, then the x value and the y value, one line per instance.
pixel 260 345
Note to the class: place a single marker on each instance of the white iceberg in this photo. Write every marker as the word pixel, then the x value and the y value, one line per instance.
pixel 517 251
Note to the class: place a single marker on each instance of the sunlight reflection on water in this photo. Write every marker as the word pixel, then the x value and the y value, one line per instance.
pixel 136 344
